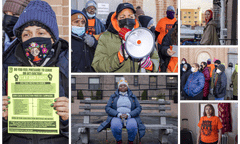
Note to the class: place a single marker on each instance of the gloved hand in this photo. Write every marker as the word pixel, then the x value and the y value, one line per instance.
pixel 123 33
pixel 120 53
pixel 89 40
pixel 146 63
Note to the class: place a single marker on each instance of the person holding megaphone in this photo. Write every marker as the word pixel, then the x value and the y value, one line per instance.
pixel 111 54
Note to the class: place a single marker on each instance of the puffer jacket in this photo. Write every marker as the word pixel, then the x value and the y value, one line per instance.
pixel 111 110
pixel 82 54
pixel 220 84
pixel 194 84
pixel 106 54
pixel 210 34
pixel 207 79
pixel 15 57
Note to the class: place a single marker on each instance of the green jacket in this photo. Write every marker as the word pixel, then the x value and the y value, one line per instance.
pixel 213 78
pixel 210 34
pixel 235 83
pixel 106 56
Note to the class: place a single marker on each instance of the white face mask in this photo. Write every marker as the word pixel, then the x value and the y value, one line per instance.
pixel 78 30
pixel 183 62
pixel 183 69
pixel 218 71
pixel 193 69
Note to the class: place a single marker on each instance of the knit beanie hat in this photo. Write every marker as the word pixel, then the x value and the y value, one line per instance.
pixel 139 11
pixel 221 68
pixel 122 81
pixel 37 13
pixel 217 62
pixel 15 6
pixel 145 21
pixel 91 3
pixel 170 8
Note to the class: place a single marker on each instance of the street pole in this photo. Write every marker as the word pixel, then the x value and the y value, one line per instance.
pixel 222 21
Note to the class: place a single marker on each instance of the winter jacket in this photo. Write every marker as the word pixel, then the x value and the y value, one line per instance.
pixel 162 50
pixel 181 66
pixel 229 71
pixel 220 84
pixel 111 110
pixel 214 75
pixel 194 84
pixel 82 54
pixel 235 83
pixel 207 79
pixel 210 34
pixel 15 56
pixel 184 78
pixel 211 67
pixel 99 26
pixel 106 54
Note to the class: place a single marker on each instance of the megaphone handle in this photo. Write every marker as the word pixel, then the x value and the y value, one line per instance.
pixel 123 47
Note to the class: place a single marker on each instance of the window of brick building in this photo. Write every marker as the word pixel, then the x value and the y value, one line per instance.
pixel 152 82
pixel 94 83
pixel 135 80
pixel 73 83
pixel 117 79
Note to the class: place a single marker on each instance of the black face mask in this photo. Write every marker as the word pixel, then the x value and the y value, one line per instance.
pixel 37 49
pixel 8 24
pixel 127 23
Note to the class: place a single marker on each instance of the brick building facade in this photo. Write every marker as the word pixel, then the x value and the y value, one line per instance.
pixel 156 86
pixel 61 9
pixel 225 55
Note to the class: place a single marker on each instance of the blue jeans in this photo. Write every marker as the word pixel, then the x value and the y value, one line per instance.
pixel 116 126
pixel 219 98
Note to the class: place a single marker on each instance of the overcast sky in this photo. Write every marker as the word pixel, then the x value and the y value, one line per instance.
pixel 194 4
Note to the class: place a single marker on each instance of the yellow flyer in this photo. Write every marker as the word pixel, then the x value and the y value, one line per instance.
pixel 32 90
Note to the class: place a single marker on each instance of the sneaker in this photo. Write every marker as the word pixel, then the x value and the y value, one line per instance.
pixel 119 142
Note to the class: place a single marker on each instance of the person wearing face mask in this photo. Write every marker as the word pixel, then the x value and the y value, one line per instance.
pixel 216 64
pixel 209 36
pixel 235 83
pixel 83 44
pixel 39 45
pixel 184 61
pixel 220 83
pixel 195 84
pixel 229 71
pixel 147 22
pixel 11 9
pixel 123 108
pixel 165 24
pixel 139 12
pixel 111 55
pixel 206 73
pixel 186 72
pixel 95 26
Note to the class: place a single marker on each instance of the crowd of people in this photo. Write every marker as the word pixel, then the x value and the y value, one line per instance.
pixel 98 47
pixel 198 82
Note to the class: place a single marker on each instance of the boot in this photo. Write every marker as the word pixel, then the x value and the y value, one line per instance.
pixel 119 142
pixel 130 142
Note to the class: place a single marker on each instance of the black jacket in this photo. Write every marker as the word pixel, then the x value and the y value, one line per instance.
pixel 14 56
pixel 162 50
pixel 184 78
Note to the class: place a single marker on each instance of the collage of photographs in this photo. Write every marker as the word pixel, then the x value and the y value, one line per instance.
pixel 119 72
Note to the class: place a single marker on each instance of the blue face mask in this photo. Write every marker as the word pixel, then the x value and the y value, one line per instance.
pixel 78 30
pixel 90 15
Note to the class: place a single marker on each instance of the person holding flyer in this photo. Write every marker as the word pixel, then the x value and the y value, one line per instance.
pixel 39 46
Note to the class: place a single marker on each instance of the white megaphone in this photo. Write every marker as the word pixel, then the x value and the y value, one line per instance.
pixel 139 43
